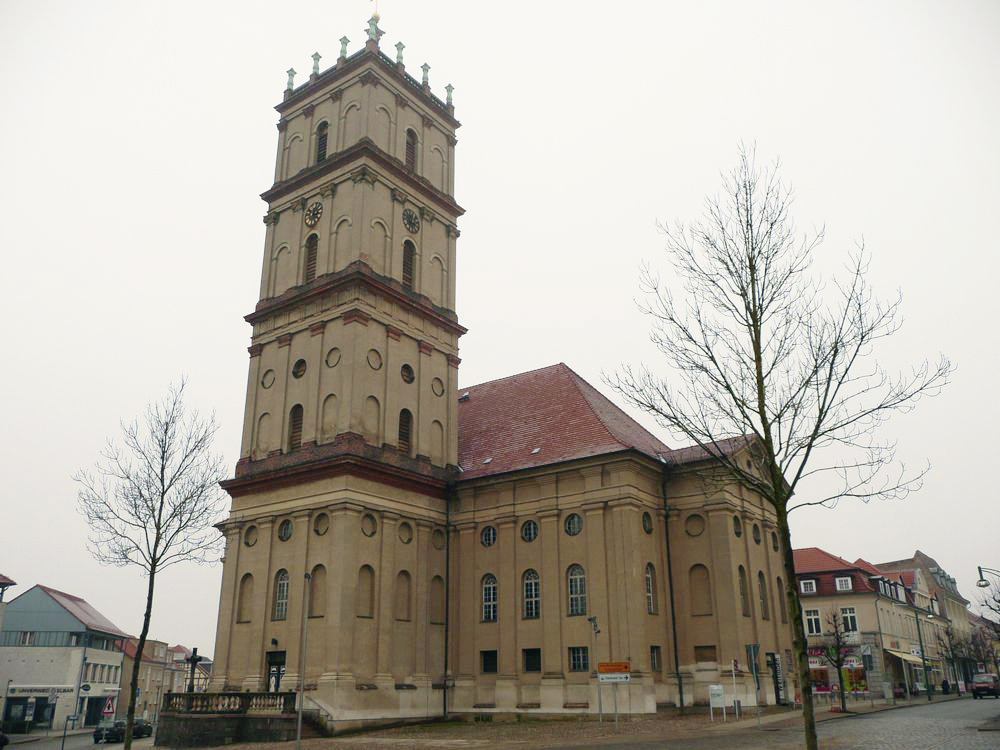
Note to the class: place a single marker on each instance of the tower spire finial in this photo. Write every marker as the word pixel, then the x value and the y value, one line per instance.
pixel 374 32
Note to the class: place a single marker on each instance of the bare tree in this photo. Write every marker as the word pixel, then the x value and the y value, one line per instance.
pixel 991 603
pixel 767 362
pixel 151 500
pixel 954 648
pixel 836 649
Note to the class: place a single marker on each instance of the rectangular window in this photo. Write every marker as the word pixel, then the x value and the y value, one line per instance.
pixel 27 638
pixel 847 614
pixel 579 659
pixel 807 586
pixel 488 660
pixel 867 662
pixel 704 653
pixel 532 659
pixel 844 583
pixel 813 624
pixel 655 664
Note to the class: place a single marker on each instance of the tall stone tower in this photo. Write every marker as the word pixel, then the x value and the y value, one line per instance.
pixel 350 428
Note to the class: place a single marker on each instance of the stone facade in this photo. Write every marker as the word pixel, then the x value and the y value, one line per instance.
pixel 447 549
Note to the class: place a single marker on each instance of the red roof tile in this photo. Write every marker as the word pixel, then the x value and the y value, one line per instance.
pixel 869 568
pixel 553 410
pixel 815 560
pixel 82 611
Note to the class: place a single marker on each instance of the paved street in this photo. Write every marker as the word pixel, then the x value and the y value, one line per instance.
pixel 73 742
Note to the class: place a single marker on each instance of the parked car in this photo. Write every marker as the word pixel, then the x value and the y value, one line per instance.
pixel 985 684
pixel 110 730
pixel 113 730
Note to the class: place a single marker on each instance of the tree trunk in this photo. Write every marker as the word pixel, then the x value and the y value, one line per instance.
pixel 798 630
pixel 840 681
pixel 130 716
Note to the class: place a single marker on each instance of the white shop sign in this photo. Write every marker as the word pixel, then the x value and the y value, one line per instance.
pixel 624 677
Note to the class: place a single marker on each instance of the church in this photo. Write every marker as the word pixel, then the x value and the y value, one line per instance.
pixel 407 547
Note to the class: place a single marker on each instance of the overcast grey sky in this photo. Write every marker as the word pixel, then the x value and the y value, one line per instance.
pixel 136 139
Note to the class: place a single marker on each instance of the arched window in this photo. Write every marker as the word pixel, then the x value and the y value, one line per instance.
pixel 321 136
pixel 437 601
pixel 244 601
pixel 364 595
pixel 531 586
pixel 401 608
pixel 650 589
pixel 409 256
pixel 405 430
pixel 782 605
pixel 295 427
pixel 317 592
pixel 312 243
pixel 280 609
pixel 576 581
pixel 744 592
pixel 411 148
pixel 700 589
pixel 765 610
pixel 489 598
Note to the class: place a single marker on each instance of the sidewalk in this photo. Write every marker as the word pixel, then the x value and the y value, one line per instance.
pixel 45 734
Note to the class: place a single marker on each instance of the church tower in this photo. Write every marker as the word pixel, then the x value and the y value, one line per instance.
pixel 350 433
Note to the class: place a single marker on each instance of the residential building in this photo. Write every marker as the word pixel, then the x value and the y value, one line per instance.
pixel 450 549
pixel 890 621
pixel 153 679
pixel 58 657
pixel 181 670
pixel 954 608
pixel 984 645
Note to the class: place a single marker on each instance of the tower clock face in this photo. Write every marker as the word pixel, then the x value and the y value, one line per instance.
pixel 410 220
pixel 313 213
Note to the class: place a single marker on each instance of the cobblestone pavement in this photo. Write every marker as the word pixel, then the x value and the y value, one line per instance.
pixel 949 725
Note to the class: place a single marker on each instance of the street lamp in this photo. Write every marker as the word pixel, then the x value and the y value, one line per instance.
pixel 982 582
pixel 923 656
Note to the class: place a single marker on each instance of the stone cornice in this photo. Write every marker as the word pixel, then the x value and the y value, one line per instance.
pixel 358 274
pixel 365 148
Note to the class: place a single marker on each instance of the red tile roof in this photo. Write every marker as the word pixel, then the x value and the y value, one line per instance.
pixel 815 560
pixel 83 612
pixel 824 568
pixel 697 453
pixel 553 410
pixel 869 568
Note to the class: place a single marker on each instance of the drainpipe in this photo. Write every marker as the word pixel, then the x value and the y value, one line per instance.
pixel 450 492
pixel 670 582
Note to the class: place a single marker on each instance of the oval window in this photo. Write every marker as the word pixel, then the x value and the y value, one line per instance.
pixel 529 531
pixel 737 526
pixel 405 532
pixel 488 536
pixel 333 357
pixel 368 525
pixel 437 386
pixel 299 369
pixel 694 525
pixel 647 523
pixel 756 533
pixel 285 530
pixel 267 380
pixel 574 524
pixel 437 539
pixel 321 524
pixel 250 536
pixel 406 372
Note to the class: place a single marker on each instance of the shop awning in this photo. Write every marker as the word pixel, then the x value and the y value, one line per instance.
pixel 905 656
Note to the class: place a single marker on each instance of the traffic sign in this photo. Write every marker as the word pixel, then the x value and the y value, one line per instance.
pixel 613 667
pixel 109 706
pixel 614 677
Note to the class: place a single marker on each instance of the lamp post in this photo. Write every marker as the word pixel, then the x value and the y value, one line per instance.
pixel 923 656
pixel 982 582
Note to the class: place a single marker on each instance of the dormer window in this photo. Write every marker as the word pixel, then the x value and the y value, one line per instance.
pixel 844 583
pixel 807 586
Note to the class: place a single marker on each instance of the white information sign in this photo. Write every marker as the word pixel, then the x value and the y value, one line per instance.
pixel 716 696
pixel 623 677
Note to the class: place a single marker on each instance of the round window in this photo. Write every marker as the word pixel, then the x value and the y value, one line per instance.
pixel 488 536
pixel 737 526
pixel 774 541
pixel 405 533
pixel 647 523
pixel 437 386
pixel 299 368
pixel 437 539
pixel 250 536
pixel 574 524
pixel 756 533
pixel 267 380
pixel 529 531
pixel 285 530
pixel 407 373
pixel 374 359
pixel 368 525
pixel 321 524
pixel 694 525
pixel 333 357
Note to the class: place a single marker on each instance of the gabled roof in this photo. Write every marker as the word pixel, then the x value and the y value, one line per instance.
pixel 694 453
pixel 824 568
pixel 815 560
pixel 501 423
pixel 869 568
pixel 5 581
pixel 82 611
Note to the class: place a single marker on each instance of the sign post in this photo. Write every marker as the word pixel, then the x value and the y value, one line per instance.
pixel 716 699
pixel 614 672
pixel 736 703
